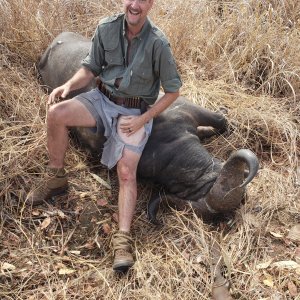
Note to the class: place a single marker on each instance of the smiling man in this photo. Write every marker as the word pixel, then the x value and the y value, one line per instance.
pixel 132 59
pixel 136 12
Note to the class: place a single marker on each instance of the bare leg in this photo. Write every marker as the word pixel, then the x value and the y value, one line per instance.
pixel 61 116
pixel 127 167
pixel 128 188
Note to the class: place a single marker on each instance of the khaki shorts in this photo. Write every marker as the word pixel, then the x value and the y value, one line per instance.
pixel 108 113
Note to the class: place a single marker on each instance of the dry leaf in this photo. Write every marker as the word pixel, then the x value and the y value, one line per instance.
pixel 66 271
pixel 83 195
pixel 45 223
pixel 264 265
pixel 102 202
pixel 80 166
pixel 93 197
pixel 35 212
pixel 106 228
pixel 275 234
pixel 89 245
pixel 268 281
pixel 60 265
pixel 286 264
pixel 61 214
pixel 294 233
pixel 101 181
pixel 199 259
pixel 292 289
pixel 76 252
pixel 7 267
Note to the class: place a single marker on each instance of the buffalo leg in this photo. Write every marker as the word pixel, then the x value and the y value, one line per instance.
pixel 208 118
pixel 152 209
pixel 204 132
pixel 199 207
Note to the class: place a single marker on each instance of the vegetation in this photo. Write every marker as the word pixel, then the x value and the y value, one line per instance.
pixel 242 55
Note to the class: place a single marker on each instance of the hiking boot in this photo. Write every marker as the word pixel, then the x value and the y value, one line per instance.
pixel 122 249
pixel 54 183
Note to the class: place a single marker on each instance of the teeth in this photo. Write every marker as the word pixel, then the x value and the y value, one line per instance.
pixel 134 13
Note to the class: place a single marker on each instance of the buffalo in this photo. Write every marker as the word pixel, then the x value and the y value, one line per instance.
pixel 174 156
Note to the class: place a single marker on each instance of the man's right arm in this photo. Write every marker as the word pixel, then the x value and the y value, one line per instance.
pixel 80 79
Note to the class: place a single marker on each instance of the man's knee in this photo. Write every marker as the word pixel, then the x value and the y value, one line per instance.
pixel 57 114
pixel 125 172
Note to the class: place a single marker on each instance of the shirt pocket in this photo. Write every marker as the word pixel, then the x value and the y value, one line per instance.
pixel 113 52
pixel 143 71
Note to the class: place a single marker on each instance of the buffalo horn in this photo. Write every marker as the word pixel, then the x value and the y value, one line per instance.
pixel 228 190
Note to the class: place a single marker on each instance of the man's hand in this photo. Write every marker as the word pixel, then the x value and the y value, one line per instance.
pixel 61 91
pixel 131 124
pixel 80 79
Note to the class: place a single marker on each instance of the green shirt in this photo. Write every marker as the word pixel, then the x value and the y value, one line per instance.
pixel 140 72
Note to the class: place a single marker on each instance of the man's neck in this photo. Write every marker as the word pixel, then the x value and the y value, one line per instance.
pixel 132 31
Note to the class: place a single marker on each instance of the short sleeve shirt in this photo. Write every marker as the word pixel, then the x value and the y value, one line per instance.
pixel 148 65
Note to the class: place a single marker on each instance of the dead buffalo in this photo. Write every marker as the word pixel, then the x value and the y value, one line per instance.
pixel 174 156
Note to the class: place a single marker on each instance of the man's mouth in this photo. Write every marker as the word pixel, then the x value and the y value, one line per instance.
pixel 135 13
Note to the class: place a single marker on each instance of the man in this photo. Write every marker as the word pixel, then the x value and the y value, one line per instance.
pixel 132 58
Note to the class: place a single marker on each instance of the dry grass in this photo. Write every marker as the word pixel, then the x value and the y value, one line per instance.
pixel 242 55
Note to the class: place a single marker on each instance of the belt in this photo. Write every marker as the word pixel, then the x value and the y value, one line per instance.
pixel 128 102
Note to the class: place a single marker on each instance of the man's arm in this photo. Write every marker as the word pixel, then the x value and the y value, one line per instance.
pixel 159 106
pixel 132 124
pixel 80 79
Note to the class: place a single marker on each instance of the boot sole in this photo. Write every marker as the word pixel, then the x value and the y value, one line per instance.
pixel 122 266
pixel 58 192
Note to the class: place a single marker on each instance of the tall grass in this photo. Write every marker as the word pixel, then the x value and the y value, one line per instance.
pixel 241 55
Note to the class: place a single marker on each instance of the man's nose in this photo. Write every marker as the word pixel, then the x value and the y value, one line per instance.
pixel 135 3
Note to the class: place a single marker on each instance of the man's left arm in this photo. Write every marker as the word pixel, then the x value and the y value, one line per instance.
pixel 134 123
pixel 165 66
pixel 163 103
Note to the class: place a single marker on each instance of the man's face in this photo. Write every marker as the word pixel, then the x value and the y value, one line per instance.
pixel 136 11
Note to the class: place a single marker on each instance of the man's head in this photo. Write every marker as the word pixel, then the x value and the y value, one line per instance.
pixel 136 12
